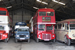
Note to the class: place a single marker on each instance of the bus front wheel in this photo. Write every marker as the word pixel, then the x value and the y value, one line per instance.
pixel 6 40
pixel 37 40
pixel 67 41
pixel 53 40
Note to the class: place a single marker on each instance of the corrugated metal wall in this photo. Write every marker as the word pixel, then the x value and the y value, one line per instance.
pixel 17 15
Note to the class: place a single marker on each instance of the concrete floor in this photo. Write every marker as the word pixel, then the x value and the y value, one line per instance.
pixel 11 45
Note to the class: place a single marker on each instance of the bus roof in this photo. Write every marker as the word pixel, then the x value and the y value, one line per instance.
pixel 4 9
pixel 45 9
pixel 67 20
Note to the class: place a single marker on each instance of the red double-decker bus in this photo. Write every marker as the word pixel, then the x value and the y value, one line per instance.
pixel 43 25
pixel 5 21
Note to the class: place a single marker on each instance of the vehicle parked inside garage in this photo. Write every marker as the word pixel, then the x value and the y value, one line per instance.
pixel 43 25
pixel 65 31
pixel 22 32
pixel 5 22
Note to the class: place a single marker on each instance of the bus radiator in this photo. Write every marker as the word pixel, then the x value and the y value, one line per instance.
pixel 46 36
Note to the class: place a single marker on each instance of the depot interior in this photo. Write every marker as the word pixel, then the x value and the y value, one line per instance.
pixel 23 10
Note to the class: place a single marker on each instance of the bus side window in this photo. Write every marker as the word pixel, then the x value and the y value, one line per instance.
pixel 62 27
pixel 59 26
pixel 66 26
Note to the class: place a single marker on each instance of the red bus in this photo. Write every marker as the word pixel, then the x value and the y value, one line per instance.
pixel 5 21
pixel 43 25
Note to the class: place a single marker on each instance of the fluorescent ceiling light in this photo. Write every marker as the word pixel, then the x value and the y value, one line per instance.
pixel 35 8
pixel 45 3
pixel 39 1
pixel 9 7
pixel 58 2
pixel 42 2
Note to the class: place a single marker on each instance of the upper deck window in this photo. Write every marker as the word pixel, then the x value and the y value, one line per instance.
pixel 2 12
pixel 50 13
pixel 42 13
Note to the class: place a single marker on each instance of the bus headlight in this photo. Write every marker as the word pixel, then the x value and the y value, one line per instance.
pixel 73 35
pixel 39 35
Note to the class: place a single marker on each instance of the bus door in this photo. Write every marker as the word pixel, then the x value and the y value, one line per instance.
pixel 56 31
pixel 64 29
pixel 59 31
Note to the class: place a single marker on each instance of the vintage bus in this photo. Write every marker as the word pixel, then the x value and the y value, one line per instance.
pixel 65 31
pixel 43 25
pixel 5 22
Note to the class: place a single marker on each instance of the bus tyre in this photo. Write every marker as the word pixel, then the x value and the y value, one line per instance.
pixel 6 40
pixel 16 40
pixel 37 40
pixel 28 40
pixel 53 40
pixel 67 41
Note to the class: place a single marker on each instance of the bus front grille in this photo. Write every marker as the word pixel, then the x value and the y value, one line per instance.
pixel 46 36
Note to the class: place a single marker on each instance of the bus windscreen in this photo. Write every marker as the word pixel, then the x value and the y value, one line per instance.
pixel 49 27
pixel 41 27
pixel 72 26
pixel 50 13
pixel 2 12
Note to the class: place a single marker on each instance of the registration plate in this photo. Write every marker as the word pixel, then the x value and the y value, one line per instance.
pixel 22 38
pixel 46 39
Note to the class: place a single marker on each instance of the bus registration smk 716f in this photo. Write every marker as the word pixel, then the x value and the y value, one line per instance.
pixel 43 25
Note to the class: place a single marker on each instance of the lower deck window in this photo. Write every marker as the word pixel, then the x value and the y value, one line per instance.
pixel 41 27
pixel 49 27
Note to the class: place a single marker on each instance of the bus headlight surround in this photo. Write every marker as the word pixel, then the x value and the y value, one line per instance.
pixel 53 35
